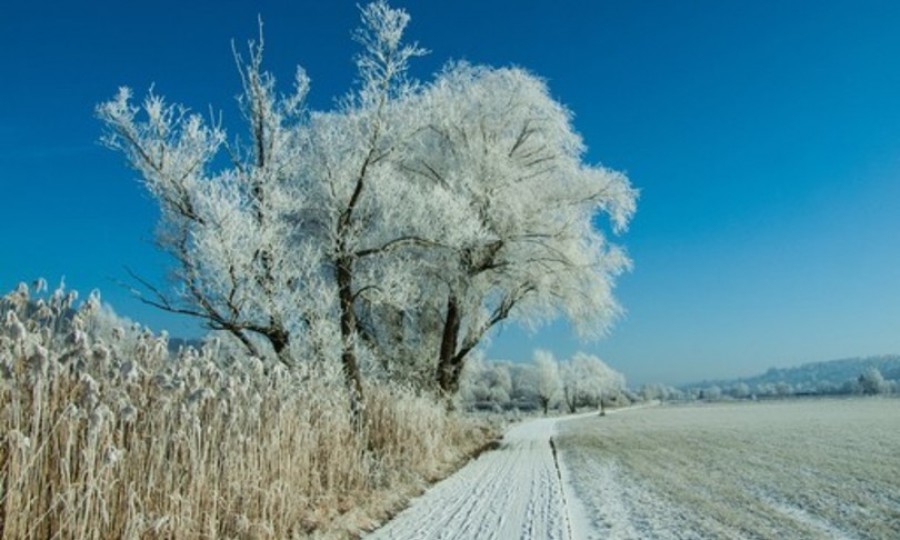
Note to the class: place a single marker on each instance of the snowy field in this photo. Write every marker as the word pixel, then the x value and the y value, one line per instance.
pixel 794 469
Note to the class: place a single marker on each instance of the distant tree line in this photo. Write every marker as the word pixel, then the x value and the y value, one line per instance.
pixel 544 384
pixel 869 382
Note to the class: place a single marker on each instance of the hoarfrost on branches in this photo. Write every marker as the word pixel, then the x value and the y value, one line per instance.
pixel 588 380
pixel 390 234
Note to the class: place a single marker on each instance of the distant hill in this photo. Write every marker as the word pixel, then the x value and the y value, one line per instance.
pixel 814 376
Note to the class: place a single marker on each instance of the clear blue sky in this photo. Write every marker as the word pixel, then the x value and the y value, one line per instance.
pixel 764 137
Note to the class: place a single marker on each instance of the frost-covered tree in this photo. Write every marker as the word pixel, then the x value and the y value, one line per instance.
pixel 675 394
pixel 740 390
pixel 783 389
pixel 507 149
pixel 524 384
pixel 399 227
pixel 588 380
pixel 274 245
pixel 486 384
pixel 653 391
pixel 765 389
pixel 711 393
pixel 549 383
pixel 872 381
pixel 226 230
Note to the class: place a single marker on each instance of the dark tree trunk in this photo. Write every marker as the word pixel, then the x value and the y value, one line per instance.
pixel 545 404
pixel 571 401
pixel 449 362
pixel 349 364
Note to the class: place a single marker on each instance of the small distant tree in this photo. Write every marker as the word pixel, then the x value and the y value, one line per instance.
pixel 872 382
pixel 524 384
pixel 549 381
pixel 571 383
pixel 711 393
pixel 740 391
pixel 587 380
pixel 783 389
pixel 652 391
pixel 765 390
pixel 499 383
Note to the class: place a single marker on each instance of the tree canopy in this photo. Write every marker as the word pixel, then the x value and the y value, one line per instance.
pixel 392 232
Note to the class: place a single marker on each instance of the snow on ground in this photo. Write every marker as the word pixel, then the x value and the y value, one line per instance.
pixel 803 470
pixel 616 507
pixel 816 469
pixel 513 492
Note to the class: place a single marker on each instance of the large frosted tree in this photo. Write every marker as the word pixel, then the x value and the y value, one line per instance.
pixel 403 224
pixel 274 246
pixel 499 142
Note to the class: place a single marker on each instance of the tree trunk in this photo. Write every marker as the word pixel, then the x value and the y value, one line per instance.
pixel 570 398
pixel 449 362
pixel 348 325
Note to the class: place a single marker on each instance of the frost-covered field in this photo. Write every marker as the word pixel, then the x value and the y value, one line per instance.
pixel 797 469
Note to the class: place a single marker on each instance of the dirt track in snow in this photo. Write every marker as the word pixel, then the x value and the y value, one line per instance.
pixel 516 491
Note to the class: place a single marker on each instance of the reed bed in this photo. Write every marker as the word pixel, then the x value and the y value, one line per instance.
pixel 105 434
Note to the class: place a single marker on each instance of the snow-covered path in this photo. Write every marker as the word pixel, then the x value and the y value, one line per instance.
pixel 516 491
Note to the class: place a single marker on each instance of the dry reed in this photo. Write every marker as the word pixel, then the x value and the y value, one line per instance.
pixel 106 436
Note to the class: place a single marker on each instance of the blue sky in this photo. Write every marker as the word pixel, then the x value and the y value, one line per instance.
pixel 764 137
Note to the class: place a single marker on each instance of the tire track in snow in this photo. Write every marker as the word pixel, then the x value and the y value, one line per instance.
pixel 559 475
pixel 516 491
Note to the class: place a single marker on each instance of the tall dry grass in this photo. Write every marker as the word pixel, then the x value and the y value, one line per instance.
pixel 104 435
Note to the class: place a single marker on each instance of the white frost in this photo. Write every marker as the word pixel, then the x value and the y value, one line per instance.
pixel 513 492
